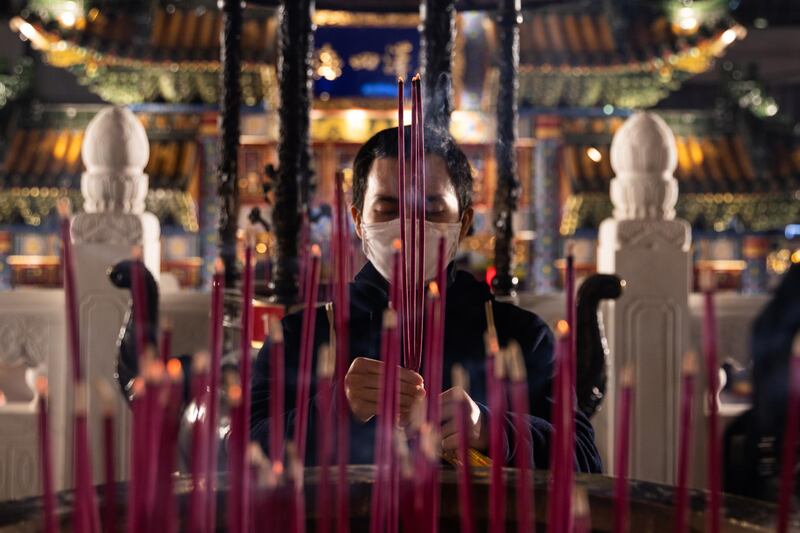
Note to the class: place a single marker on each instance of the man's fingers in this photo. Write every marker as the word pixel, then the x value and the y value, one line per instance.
pixel 410 377
pixel 450 442
pixel 449 428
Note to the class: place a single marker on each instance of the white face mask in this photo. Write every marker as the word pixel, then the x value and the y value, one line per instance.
pixel 377 240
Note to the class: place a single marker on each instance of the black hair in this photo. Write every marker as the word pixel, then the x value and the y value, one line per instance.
pixel 437 142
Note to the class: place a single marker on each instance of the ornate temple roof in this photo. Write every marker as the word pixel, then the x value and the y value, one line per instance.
pixel 43 163
pixel 571 54
pixel 721 183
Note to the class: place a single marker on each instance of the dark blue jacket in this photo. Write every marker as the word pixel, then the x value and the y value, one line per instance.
pixel 464 329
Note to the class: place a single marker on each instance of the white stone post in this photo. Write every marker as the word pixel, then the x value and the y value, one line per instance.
pixel 648 325
pixel 114 185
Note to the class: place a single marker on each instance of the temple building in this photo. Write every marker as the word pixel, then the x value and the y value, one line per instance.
pixel 635 171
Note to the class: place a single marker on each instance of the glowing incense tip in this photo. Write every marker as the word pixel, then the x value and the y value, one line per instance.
pixel 275 330
pixel 796 346
pixel 416 77
pixel 200 362
pixel 136 252
pixel 80 398
pixel 562 328
pixel 106 394
pixel 174 370
pixel 433 289
pixel 235 394
pixel 400 80
pixel 326 362
pixel 41 386
pixel 219 266
pixel 500 362
pixel 397 244
pixel 626 376
pixel 460 378
pixel 154 371
pixel 706 280
pixel 515 363
pixel 315 250
pixel 492 346
pixel 64 207
pixel 689 364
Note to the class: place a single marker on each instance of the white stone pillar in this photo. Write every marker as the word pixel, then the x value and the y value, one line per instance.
pixel 114 185
pixel 648 325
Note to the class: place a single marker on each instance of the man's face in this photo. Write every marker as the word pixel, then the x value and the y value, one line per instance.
pixel 381 197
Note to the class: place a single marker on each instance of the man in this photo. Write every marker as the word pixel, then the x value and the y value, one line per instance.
pixel 449 213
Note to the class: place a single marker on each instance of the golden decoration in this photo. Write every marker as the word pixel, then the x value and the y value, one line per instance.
pixel 397 58
pixel 325 17
pixel 364 61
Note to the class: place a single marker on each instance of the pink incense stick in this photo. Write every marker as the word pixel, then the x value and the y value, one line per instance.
pixel 419 202
pixel 278 386
pixel 215 349
pixel 560 416
pixel 623 452
pixel 139 430
pixel 235 516
pixel 713 513
pixel 460 379
pixel 245 375
pixel 413 250
pixel 495 374
pixel 789 451
pixel 45 457
pixel 68 267
pixel 199 457
pixel 685 447
pixel 326 365
pixel 568 435
pixel 166 512
pixel 402 200
pixel 524 453
pixel 107 396
pixel 581 516
pixel 341 305
pixel 306 354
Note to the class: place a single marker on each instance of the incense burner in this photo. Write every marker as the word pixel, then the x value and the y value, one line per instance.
pixel 652 507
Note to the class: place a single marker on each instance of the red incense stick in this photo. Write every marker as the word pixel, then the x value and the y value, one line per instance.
pixel 139 430
pixel 622 452
pixel 524 453
pixel 580 511
pixel 560 416
pixel 45 457
pixel 325 368
pixel 712 375
pixel 413 250
pixel 215 349
pixel 789 451
pixel 245 374
pixel 165 518
pixel 106 394
pixel 341 231
pixel 569 397
pixel 198 417
pixel 86 515
pixel 419 202
pixel 165 345
pixel 156 401
pixel 278 386
pixel 460 379
pixel 235 495
pixel 306 353
pixel 402 200
pixel 685 445
pixel 68 267
pixel 495 374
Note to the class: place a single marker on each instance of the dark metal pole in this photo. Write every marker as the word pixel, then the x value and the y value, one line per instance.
pixel 228 191
pixel 436 60
pixel 507 192
pixel 293 184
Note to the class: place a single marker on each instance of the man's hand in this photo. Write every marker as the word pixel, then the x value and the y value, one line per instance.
pixel 476 425
pixel 362 386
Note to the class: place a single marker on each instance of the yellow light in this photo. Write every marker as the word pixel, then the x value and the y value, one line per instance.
pixel 728 36
pixel 27 29
pixel 796 256
pixel 261 248
pixel 594 154
pixel 687 20
pixel 67 19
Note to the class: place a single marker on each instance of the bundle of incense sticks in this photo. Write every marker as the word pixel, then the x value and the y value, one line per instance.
pixel 341 305
pixel 519 399
pixel 560 463
pixel 789 445
pixel 306 353
pixel 622 447
pixel 45 458
pixel 411 200
pixel 689 369
pixel 714 445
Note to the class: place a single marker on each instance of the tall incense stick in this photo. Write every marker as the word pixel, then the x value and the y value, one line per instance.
pixel 689 369
pixel 524 453
pixel 712 376
pixel 215 368
pixel 402 200
pixel 245 378
pixel 326 365
pixel 45 457
pixel 278 387
pixel 560 417
pixel 199 418
pixel 789 451
pixel 460 379
pixel 622 451
pixel 569 397
pixel 107 397
pixel 495 374
pixel 236 518
pixel 70 297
